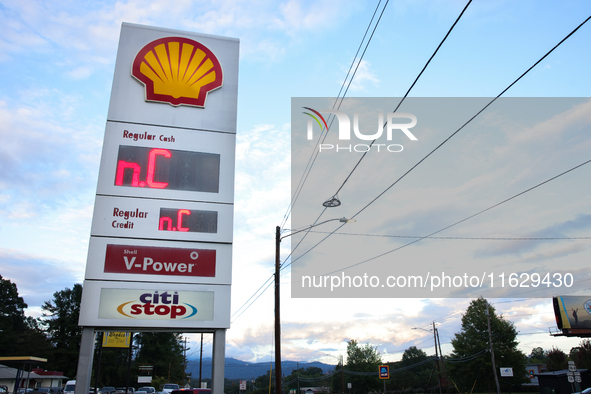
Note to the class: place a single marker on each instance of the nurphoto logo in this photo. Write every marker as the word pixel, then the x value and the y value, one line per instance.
pixel 392 127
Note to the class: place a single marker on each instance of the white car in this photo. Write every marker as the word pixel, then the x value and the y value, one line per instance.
pixel 168 387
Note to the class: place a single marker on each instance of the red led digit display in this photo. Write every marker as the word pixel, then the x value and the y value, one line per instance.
pixel 186 220
pixel 167 169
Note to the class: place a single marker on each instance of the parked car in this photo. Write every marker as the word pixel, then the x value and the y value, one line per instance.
pixel 191 391
pixel 168 387
pixel 107 390
pixel 70 386
pixel 50 390
pixel 125 390
pixel 147 389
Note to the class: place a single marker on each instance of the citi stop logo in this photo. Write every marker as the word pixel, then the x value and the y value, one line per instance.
pixel 161 306
pixel 393 127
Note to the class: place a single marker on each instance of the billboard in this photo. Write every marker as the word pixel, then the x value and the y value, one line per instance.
pixel 573 315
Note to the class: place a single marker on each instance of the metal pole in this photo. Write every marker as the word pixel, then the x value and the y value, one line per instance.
pixel 97 370
pixel 277 316
pixel 128 377
pixel 200 360
pixel 85 360
pixel 492 351
pixel 219 356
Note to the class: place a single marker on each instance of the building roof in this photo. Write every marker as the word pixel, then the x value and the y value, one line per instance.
pixel 23 359
pixel 558 373
pixel 10 373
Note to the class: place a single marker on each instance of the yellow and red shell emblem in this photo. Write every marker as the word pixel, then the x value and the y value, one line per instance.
pixel 177 70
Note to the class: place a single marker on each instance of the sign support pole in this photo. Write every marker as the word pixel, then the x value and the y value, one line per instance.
pixel 219 358
pixel 85 360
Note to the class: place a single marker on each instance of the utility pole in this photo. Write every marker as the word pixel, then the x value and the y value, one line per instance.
pixel 437 357
pixel 441 355
pixel 342 375
pixel 278 237
pixel 185 363
pixel 277 317
pixel 492 352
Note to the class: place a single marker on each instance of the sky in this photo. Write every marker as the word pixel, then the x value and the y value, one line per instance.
pixel 57 60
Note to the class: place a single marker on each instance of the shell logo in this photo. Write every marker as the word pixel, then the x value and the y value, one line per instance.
pixel 177 71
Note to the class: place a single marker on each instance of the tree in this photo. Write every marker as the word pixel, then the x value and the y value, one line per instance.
pixel 414 376
pixel 556 360
pixel 311 376
pixel 164 351
pixel 20 334
pixel 60 319
pixel 582 356
pixel 537 356
pixel 473 338
pixel 363 359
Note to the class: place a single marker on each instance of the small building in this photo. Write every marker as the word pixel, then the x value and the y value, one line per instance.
pixel 532 371
pixel 30 379
pixel 556 382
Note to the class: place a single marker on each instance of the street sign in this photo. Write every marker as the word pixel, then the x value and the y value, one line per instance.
pixel 243 385
pixel 506 372
pixel 572 367
pixel 384 372
pixel 571 379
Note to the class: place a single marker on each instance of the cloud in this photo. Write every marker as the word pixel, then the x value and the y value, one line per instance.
pixel 40 156
pixel 362 76
pixel 37 278
pixel 568 228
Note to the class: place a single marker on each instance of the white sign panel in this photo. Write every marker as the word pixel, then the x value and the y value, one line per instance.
pixel 165 261
pixel 506 371
pixel 162 219
pixel 160 253
pixel 155 305
pixel 167 163
pixel 204 61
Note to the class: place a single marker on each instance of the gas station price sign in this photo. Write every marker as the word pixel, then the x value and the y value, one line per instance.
pixel 187 220
pixel 170 169
pixel 164 163
pixel 145 218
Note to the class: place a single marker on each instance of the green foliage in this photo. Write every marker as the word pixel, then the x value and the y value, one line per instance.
pixel 261 383
pixel 158 382
pixel 537 356
pixel 582 357
pixel 556 360
pixel 473 338
pixel 20 334
pixel 412 377
pixel 303 376
pixel 113 365
pixel 362 359
pixel 60 319
pixel 164 351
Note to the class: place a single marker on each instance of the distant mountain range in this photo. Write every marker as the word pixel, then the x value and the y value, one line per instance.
pixel 236 369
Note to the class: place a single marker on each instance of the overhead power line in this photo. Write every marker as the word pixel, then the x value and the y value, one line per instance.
pixel 408 91
pixel 461 238
pixel 316 151
pixel 467 218
pixel 323 135
pixel 311 161
pixel 445 141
